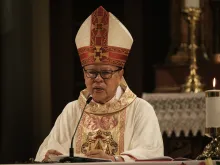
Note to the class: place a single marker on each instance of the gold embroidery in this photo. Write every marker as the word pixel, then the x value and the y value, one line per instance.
pixel 102 126
pixel 105 132
pixel 98 53
pixel 122 130
pixel 111 107
pixel 100 140
pixel 106 122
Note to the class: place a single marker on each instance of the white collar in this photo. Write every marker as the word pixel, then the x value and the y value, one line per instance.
pixel 119 92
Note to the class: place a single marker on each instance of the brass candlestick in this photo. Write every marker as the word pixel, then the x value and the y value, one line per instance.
pixel 193 83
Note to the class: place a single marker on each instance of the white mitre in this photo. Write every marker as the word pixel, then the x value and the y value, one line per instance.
pixel 102 38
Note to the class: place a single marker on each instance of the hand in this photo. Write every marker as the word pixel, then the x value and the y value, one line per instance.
pixel 99 154
pixel 51 152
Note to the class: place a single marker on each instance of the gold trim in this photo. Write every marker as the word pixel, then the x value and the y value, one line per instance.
pixel 212 93
pixel 92 135
pixel 212 131
pixel 122 130
pixel 211 150
pixel 110 107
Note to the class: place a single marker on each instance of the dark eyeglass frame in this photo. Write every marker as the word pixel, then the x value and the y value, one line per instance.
pixel 96 73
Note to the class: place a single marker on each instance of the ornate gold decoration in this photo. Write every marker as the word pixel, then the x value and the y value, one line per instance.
pixel 193 83
pixel 212 150
pixel 100 140
pixel 103 126
pixel 98 53
pixel 104 132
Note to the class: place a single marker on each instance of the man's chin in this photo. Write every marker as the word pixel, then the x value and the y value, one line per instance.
pixel 100 100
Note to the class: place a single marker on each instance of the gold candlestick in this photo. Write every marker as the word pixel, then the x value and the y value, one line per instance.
pixel 193 83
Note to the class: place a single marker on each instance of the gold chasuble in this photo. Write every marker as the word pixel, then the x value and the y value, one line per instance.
pixel 103 125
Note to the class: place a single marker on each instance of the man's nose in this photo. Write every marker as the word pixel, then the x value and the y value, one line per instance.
pixel 98 77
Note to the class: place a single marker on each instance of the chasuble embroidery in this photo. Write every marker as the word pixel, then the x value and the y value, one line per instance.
pixel 103 125
pixel 105 132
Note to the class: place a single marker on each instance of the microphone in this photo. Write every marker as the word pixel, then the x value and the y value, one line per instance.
pixel 71 149
pixel 71 158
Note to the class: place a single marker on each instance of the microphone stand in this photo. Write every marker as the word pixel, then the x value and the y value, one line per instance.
pixel 73 159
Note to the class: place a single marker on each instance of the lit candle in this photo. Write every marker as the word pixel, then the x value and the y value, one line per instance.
pixel 192 3
pixel 213 107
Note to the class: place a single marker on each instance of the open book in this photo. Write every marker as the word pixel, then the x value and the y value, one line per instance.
pixel 163 158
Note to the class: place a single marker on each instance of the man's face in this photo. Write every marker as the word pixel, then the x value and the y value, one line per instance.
pixel 102 90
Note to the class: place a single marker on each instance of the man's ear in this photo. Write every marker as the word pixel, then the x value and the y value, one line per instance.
pixel 121 73
pixel 84 75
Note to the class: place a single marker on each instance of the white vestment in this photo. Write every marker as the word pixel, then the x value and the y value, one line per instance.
pixel 142 138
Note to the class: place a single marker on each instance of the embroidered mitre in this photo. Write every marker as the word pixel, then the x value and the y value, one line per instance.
pixel 102 38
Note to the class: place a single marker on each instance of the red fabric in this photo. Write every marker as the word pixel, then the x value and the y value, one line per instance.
pixel 109 55
pixel 99 51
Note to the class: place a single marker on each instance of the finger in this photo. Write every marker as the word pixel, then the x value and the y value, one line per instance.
pixel 48 153
pixel 52 152
pixel 45 159
pixel 57 153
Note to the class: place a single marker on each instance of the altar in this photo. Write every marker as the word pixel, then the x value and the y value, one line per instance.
pixel 182 122
pixel 179 112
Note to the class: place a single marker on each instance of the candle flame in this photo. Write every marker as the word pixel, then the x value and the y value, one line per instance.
pixel 214 82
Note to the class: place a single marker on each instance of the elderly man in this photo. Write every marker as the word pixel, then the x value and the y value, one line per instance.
pixel 116 124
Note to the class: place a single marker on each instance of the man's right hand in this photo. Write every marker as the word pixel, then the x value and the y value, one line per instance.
pixel 51 152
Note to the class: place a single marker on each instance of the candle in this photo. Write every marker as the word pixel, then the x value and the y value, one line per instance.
pixel 192 3
pixel 213 107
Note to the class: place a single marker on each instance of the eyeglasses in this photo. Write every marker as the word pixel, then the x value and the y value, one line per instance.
pixel 105 74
